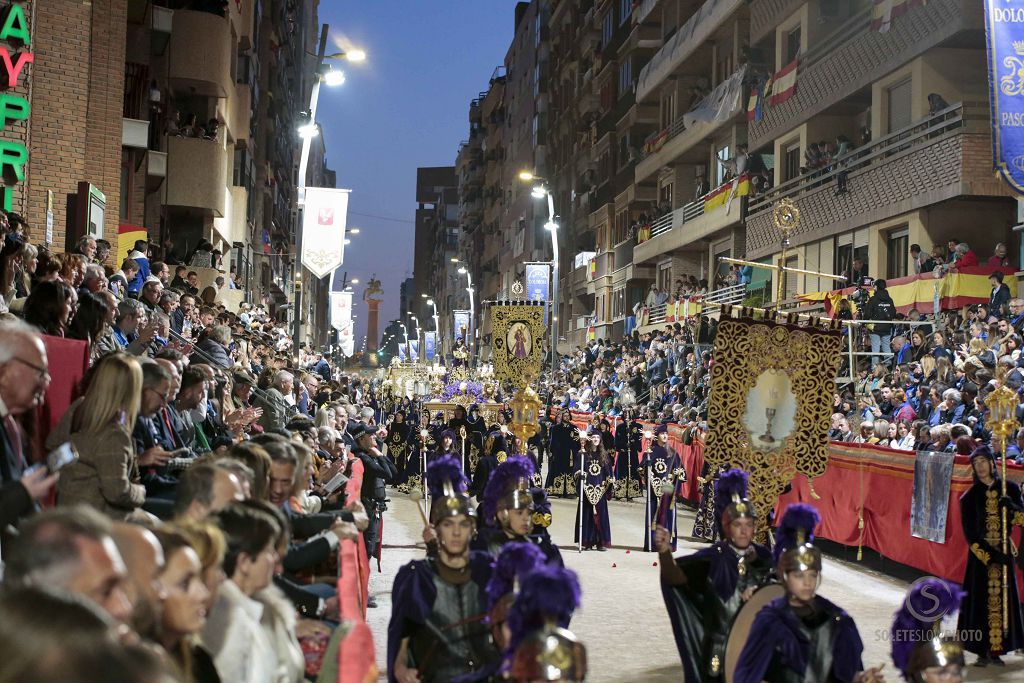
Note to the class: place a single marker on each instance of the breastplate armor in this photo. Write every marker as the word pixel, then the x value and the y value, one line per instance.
pixel 457 617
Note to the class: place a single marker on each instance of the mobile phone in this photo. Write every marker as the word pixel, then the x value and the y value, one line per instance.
pixel 61 456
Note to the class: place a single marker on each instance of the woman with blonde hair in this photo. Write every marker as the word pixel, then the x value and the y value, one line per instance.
pixel 99 425
pixel 882 432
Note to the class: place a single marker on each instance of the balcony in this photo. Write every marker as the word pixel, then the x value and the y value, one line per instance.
pixel 672 142
pixel 600 275
pixel 683 43
pixel 853 57
pixel 939 158
pixel 236 111
pixel 199 54
pixel 233 227
pixel 685 227
pixel 242 14
pixel 623 253
pixel 196 175
pixel 134 133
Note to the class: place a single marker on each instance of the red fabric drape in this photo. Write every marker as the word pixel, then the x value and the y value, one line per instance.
pixel 356 658
pixel 68 361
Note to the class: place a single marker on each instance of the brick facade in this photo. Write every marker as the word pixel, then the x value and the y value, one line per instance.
pixel 75 89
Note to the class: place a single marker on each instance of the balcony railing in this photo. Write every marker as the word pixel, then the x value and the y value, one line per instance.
pixel 623 252
pixel 687 212
pixel 916 134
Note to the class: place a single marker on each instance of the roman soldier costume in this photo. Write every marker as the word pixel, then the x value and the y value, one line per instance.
pixel 437 619
pixel 704 591
pixel 792 641
pixel 919 651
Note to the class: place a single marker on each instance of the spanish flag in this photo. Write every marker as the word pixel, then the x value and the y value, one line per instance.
pixel 720 194
pixel 885 11
pixel 784 83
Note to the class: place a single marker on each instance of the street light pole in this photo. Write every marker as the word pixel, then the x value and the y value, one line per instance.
pixel 307 141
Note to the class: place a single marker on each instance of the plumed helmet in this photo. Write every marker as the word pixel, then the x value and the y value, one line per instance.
pixel 508 487
pixel 794 543
pixel 514 563
pixel 731 501
pixel 447 485
pixel 916 641
pixel 542 649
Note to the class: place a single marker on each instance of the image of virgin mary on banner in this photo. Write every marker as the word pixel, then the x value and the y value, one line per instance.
pixel 518 331
pixel 1004 34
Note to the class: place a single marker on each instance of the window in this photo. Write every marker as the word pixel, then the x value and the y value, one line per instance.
pixel 668 109
pixel 899 106
pixel 664 275
pixel 792 45
pixel 724 152
pixel 725 67
pixel 898 249
pixel 625 76
pixel 621 226
pixel 791 164
pixel 665 195
pixel 625 10
pixel 607 28
pixel 618 303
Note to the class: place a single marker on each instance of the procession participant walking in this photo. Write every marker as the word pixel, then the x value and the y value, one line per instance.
pixel 400 450
pixel 663 474
pixel 802 636
pixel 565 445
pixel 506 512
pixel 437 630
pixel 981 513
pixel 597 484
pixel 919 651
pixel 704 591
pixel 628 444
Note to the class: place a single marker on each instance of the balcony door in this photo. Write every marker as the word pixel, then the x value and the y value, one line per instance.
pixel 899 103
pixel 898 249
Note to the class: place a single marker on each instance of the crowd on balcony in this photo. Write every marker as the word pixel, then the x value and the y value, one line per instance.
pixel 192 127
pixel 168 523
pixel 641 227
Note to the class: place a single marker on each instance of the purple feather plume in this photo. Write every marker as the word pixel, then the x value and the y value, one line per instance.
pixel 730 482
pixel 927 602
pixel 797 517
pixel 445 469
pixel 515 561
pixel 505 477
pixel 549 592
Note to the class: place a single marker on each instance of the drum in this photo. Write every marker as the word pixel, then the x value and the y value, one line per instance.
pixel 744 620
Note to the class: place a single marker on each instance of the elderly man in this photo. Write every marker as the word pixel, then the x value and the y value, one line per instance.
pixel 275 407
pixel 87 247
pixel 169 302
pixel 23 382
pixel 95 279
pixel 213 348
pixel 71 549
pixel 204 489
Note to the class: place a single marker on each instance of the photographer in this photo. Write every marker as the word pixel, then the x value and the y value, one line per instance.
pixel 879 307
pixel 378 470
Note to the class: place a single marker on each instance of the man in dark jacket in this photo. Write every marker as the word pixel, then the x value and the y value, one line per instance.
pixel 999 299
pixel 214 346
pixel 880 307
pixel 378 470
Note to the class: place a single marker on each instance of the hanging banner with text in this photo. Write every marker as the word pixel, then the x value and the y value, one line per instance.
pixel 324 217
pixel 341 320
pixel 402 351
pixel 414 350
pixel 430 345
pixel 1004 33
pixel 461 321
pixel 537 287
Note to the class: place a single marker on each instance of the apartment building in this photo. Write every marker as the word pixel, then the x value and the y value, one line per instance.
pixel 910 92
pixel 240 79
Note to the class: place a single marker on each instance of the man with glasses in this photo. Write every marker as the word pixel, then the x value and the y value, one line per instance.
pixel 129 333
pixel 1016 307
pixel 24 379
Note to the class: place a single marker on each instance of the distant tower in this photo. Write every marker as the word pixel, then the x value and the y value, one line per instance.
pixel 373 296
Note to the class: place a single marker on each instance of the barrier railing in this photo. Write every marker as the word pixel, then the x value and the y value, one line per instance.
pixel 356 653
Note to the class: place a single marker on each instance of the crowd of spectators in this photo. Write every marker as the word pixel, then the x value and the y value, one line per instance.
pixel 193 491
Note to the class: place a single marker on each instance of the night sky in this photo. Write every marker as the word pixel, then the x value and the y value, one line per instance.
pixel 406 106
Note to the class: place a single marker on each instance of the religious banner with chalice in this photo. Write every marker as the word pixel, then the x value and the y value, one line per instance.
pixel 770 404
pixel 518 332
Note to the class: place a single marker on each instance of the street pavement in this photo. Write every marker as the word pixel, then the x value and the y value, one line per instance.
pixel 623 621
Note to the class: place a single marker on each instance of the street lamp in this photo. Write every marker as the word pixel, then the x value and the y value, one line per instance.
pixel 472 309
pixel 540 191
pixel 308 130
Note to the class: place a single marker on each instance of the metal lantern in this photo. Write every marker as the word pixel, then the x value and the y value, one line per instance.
pixel 526 406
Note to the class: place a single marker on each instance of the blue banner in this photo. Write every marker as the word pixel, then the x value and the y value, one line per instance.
pixel 414 350
pixel 1004 33
pixel 461 320
pixel 430 345
pixel 537 276
pixel 402 355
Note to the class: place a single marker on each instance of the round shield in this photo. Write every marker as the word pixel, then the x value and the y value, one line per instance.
pixel 744 620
